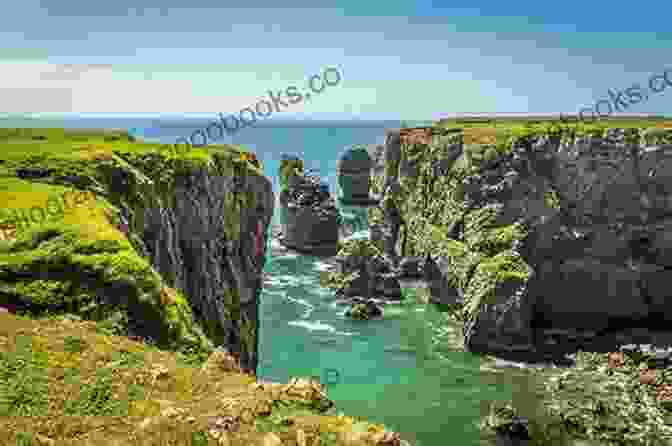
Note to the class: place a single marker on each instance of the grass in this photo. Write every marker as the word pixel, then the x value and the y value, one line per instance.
pixel 603 400
pixel 493 130
pixel 64 383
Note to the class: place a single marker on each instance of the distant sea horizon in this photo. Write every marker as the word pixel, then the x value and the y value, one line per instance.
pixel 195 120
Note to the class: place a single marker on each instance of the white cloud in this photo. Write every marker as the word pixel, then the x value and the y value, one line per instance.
pixel 45 87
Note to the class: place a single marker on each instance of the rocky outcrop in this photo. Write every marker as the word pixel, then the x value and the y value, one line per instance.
pixel 310 220
pixel 171 250
pixel 551 230
pixel 372 275
pixel 354 172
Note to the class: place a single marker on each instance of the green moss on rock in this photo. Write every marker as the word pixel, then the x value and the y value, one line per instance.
pixel 79 261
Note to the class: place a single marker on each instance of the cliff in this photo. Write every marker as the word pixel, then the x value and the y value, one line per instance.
pixel 168 248
pixel 548 238
pixel 124 245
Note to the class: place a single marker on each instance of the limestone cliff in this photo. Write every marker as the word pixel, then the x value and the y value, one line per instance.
pixel 545 231
pixel 170 248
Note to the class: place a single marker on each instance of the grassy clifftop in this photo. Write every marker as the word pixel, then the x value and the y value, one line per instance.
pixel 64 246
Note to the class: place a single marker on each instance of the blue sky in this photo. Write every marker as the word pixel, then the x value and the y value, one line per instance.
pixel 405 60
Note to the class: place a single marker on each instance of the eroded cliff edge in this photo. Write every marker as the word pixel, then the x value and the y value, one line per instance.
pixel 547 239
pixel 169 248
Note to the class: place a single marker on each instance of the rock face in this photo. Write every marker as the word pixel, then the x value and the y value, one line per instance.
pixel 310 219
pixel 554 233
pixel 211 241
pixel 374 277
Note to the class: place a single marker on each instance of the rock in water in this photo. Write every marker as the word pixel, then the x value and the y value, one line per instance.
pixel 310 218
pixel 354 172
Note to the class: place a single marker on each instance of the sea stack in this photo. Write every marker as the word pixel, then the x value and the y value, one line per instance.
pixel 354 174
pixel 309 218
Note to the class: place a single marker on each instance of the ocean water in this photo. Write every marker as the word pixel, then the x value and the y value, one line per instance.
pixel 399 371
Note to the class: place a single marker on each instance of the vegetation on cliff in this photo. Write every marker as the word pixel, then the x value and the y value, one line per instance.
pixel 101 348
pixel 456 195
pixel 82 258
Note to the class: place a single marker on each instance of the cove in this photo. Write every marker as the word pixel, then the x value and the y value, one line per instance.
pixel 402 371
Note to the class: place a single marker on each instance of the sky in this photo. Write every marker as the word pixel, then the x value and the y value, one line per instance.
pixel 419 60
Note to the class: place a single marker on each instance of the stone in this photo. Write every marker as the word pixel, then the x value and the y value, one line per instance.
pixel 648 377
pixel 664 396
pixel 616 359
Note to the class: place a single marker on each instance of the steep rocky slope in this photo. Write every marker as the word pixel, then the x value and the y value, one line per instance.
pixel 165 244
pixel 547 237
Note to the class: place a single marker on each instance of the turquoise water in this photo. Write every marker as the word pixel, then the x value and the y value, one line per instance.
pixel 398 371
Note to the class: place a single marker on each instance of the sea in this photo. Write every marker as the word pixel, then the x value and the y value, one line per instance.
pixel 400 371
